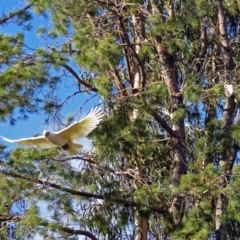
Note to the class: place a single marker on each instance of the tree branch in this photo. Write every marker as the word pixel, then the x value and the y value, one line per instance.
pixel 49 224
pixel 68 230
pixel 200 59
pixel 80 81
pixel 164 125
pixel 109 198
pixel 13 14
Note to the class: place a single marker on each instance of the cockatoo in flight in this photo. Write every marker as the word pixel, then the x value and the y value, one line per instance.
pixel 65 137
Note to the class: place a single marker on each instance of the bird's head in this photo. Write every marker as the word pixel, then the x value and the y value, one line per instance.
pixel 46 133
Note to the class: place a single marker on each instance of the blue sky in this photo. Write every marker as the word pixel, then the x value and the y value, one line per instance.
pixel 35 123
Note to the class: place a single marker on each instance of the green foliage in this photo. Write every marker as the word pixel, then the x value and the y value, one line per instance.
pixel 103 85
pixel 235 133
pixel 179 114
pixel 32 218
pixel 193 92
pixel 153 77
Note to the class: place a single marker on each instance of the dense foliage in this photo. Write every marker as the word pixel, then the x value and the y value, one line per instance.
pixel 165 159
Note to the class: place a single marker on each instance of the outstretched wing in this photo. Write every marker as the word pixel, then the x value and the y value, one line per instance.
pixel 83 127
pixel 40 142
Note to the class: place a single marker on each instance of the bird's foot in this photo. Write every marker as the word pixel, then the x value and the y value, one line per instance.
pixel 65 147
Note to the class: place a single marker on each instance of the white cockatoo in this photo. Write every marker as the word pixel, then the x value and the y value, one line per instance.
pixel 229 90
pixel 65 137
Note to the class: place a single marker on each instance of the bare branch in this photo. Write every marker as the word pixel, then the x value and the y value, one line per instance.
pixel 80 81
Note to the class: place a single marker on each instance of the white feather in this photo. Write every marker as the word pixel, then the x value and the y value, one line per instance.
pixel 40 142
pixel 56 139
pixel 83 127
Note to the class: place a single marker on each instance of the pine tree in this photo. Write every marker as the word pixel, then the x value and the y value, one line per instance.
pixel 165 158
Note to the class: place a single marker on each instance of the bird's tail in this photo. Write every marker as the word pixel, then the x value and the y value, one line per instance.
pixel 74 148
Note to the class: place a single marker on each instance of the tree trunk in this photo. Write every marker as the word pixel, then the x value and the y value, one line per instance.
pixel 141 222
pixel 141 227
pixel 229 112
pixel 169 73
pixel 179 166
